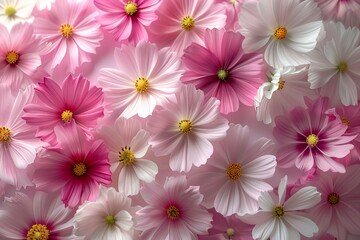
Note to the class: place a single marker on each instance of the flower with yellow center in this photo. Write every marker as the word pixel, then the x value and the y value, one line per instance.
pixel 38 232
pixel 66 116
pixel 346 121
pixel 5 135
pixel 279 211
pixel 222 74
pixel 141 85
pixel 333 198
pixel 12 57
pixel 233 171
pixel 187 23
pixel 173 212
pixel 185 126
pixel 342 67
pixel 312 140
pixel 130 8
pixel 230 232
pixel 126 156
pixel 10 10
pixel 66 30
pixel 280 33
pixel 79 169
pixel 110 220
pixel 281 84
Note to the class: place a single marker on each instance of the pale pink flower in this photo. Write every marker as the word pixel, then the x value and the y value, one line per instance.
pixel 173 211
pixel 109 217
pixel 128 144
pixel 20 56
pixel 75 100
pixel 76 166
pixel 307 137
pixel 335 64
pixel 182 22
pixel 235 173
pixel 232 9
pixel 127 20
pixel 285 89
pixel 35 216
pixel 15 11
pixel 73 32
pixel 222 70
pixel 18 144
pixel 285 31
pixel 185 127
pixel 338 212
pixel 146 76
pixel 281 219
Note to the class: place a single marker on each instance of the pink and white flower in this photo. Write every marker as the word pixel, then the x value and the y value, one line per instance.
pixel 173 211
pixel 185 127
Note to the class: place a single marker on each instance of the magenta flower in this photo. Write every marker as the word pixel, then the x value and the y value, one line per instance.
pixel 73 32
pixel 74 100
pixel 77 166
pixel 173 211
pixel 222 70
pixel 308 137
pixel 127 20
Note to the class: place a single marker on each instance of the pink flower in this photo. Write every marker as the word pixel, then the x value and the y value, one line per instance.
pixel 235 173
pixel 307 137
pixel 74 101
pixel 127 20
pixel 222 70
pixel 76 166
pixel 185 127
pixel 73 32
pixel 145 77
pixel 338 212
pixel 182 22
pixel 232 9
pixel 35 216
pixel 172 212
pixel 20 56
pixel 17 139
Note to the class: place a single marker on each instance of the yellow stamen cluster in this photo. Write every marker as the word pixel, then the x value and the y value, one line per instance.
pixel 126 156
pixel 66 116
pixel 5 135
pixel 141 85
pixel 278 211
pixel 12 57
pixel 222 74
pixel 110 220
pixel 333 198
pixel 280 33
pixel 130 8
pixel 342 67
pixel 346 121
pixel 38 232
pixel 230 232
pixel 233 171
pixel 312 140
pixel 66 30
pixel 185 126
pixel 79 169
pixel 187 23
pixel 172 212
pixel 281 84
pixel 10 10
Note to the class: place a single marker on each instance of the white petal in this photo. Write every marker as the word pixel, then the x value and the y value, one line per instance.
pixel 305 198
pixel 282 190
pixel 145 170
pixel 302 224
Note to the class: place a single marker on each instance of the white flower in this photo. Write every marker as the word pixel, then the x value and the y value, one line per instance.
pixel 284 220
pixel 14 11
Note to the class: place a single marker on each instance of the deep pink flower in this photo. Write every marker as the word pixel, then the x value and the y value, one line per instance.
pixel 75 100
pixel 222 70
pixel 173 211
pixel 76 166
pixel 127 20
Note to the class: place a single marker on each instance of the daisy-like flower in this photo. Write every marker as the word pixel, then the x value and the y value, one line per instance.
pixel 146 77
pixel 281 219
pixel 285 89
pixel 307 137
pixel 39 216
pixel 338 212
pixel 73 32
pixel 17 139
pixel 184 127
pixel 15 11
pixel 127 20
pixel 222 70
pixel 76 166
pixel 75 100
pixel 109 217
pixel 128 143
pixel 20 56
pixel 174 211
pixel 284 30
pixel 335 63
pixel 182 22
pixel 235 173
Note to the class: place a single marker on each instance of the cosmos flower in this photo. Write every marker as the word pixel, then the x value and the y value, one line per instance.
pixel 15 11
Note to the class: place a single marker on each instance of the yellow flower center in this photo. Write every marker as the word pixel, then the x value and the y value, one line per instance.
pixel 130 8
pixel 5 135
pixel 12 57
pixel 222 74
pixel 185 126
pixel 126 156
pixel 233 171
pixel 281 84
pixel 278 211
pixel 187 23
pixel 10 10
pixel 342 67
pixel 79 169
pixel 346 121
pixel 66 30
pixel 230 232
pixel 233 2
pixel 66 116
pixel 141 85
pixel 312 140
pixel 280 33
pixel 172 212
pixel 110 220
pixel 38 232
pixel 333 198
